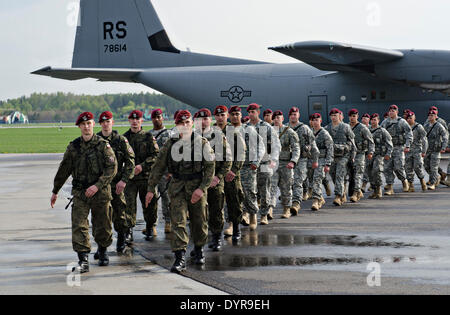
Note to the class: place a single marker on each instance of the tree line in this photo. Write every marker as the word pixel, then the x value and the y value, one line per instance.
pixel 40 107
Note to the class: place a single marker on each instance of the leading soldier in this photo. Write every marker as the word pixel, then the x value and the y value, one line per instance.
pixel 92 163
pixel 190 160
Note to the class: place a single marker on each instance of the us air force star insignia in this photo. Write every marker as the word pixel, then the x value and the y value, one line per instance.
pixel 236 94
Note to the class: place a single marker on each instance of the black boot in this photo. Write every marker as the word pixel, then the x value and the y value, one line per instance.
pixel 129 236
pixel 199 257
pixel 120 246
pixel 96 255
pixel 236 232
pixel 103 258
pixel 149 235
pixel 216 242
pixel 180 262
pixel 83 263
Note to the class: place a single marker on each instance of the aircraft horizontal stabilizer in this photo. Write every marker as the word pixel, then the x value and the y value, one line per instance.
pixel 333 56
pixel 122 75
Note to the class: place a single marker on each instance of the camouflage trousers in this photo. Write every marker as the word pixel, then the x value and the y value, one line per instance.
pixel 300 176
pixel 375 169
pixel 366 172
pixel 414 164
pixel 234 196
pixel 264 178
pixel 359 166
pixel 249 185
pixel 119 211
pixel 318 176
pixel 282 178
pixel 432 161
pixel 132 190
pixel 338 173
pixel 396 164
pixel 100 208
pixel 165 201
pixel 216 201
pixel 180 194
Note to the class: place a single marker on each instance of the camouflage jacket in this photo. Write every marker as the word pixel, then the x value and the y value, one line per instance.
pixel 325 145
pixel 383 141
pixel 271 141
pixel 437 137
pixel 399 130
pixel 145 150
pixel 124 155
pixel 290 147
pixel 420 141
pixel 161 136
pixel 237 146
pixel 363 139
pixel 307 141
pixel 89 163
pixel 254 144
pixel 343 138
pixel 222 151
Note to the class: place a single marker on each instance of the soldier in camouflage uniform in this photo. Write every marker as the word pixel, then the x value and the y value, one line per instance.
pixel 161 134
pixel 344 150
pixel 365 148
pixel 92 163
pixel 437 143
pixel 402 137
pixel 125 172
pixel 309 152
pixel 145 150
pixel 325 145
pixel 365 120
pixel 234 193
pixel 216 193
pixel 447 180
pixel 267 116
pixel 284 175
pixel 383 152
pixel 190 160
pixel 414 158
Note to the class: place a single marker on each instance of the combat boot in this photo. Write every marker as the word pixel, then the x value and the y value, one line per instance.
pixel 360 195
pixel 150 233
pixel 264 220
pixel 363 187
pixel 309 194
pixel 129 236
pixel 446 182
pixel 327 189
pixel 229 230
pixel 374 194
pixel 411 187
pixel 245 219
pixel 83 263
pixel 236 232
pixel 216 242
pixel 180 262
pixel 379 193
pixel 354 197
pixel 388 190
pixel 315 205
pixel 321 202
pixel 120 245
pixel 286 213
pixel 295 208
pixel 103 258
pixel 270 213
pixel 253 222
pixel 423 184
pixel 344 198
pixel 337 201
pixel 438 181
pixel 167 228
pixel 432 187
pixel 199 255
pixel 405 186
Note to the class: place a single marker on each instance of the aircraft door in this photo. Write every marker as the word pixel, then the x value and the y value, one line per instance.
pixel 319 104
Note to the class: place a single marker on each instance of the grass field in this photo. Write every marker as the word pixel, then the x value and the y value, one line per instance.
pixel 43 140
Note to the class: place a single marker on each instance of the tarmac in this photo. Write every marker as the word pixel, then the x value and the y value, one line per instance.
pixel 396 245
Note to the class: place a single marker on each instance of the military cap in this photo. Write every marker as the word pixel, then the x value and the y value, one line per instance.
pixel 135 114
pixel 432 112
pixel 182 115
pixel 245 119
pixel 84 117
pixel 433 108
pixel 353 111
pixel 277 113
pixel 406 111
pixel 176 113
pixel 235 108
pixel 315 115
pixel 267 112
pixel 334 111
pixel 366 115
pixel 394 107
pixel 311 117
pixel 409 114
pixel 220 110
pixel 156 112
pixel 293 110
pixel 105 116
pixel 204 112
pixel 375 115
pixel 252 106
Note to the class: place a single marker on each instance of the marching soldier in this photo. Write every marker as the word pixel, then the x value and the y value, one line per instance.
pixel 267 116
pixel 161 134
pixel 437 143
pixel 324 144
pixel 365 148
pixel 383 152
pixel 190 160
pixel 284 175
pixel 145 150
pixel 216 193
pixel 125 172
pixel 344 150
pixel 402 137
pixel 414 158
pixel 365 120
pixel 309 151
pixel 92 163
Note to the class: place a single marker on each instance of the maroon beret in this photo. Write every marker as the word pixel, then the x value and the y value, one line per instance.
pixel 135 114
pixel 176 113
pixel 277 113
pixel 245 119
pixel 366 115
pixel 252 106
pixel 334 111
pixel 433 108
pixel 84 117
pixel 235 108
pixel 316 115
pixel 432 112
pixel 375 115
pixel 406 111
pixel 156 112
pixel 220 110
pixel 105 116
pixel 353 111
pixel 394 107
pixel 385 115
pixel 409 114
pixel 204 112
pixel 293 110
pixel 182 115
pixel 267 112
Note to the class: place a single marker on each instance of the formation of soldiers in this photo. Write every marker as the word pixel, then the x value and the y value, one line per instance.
pixel 217 177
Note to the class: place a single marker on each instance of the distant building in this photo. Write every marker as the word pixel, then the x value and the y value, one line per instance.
pixel 14 118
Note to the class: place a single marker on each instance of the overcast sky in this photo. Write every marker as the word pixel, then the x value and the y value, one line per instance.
pixel 38 33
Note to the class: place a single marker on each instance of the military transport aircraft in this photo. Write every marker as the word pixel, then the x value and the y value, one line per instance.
pixel 124 40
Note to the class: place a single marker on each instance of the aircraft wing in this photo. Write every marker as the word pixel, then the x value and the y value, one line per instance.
pixel 123 75
pixel 333 56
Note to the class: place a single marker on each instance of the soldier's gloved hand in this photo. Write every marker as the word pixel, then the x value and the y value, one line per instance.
pixel 148 198
pixel 91 191
pixel 214 182
pixel 387 157
pixel 326 168
pixel 196 195
pixel 137 169
pixel 53 200
pixel 370 156
pixel 273 164
pixel 120 187
pixel 315 165
pixel 290 165
pixel 230 176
